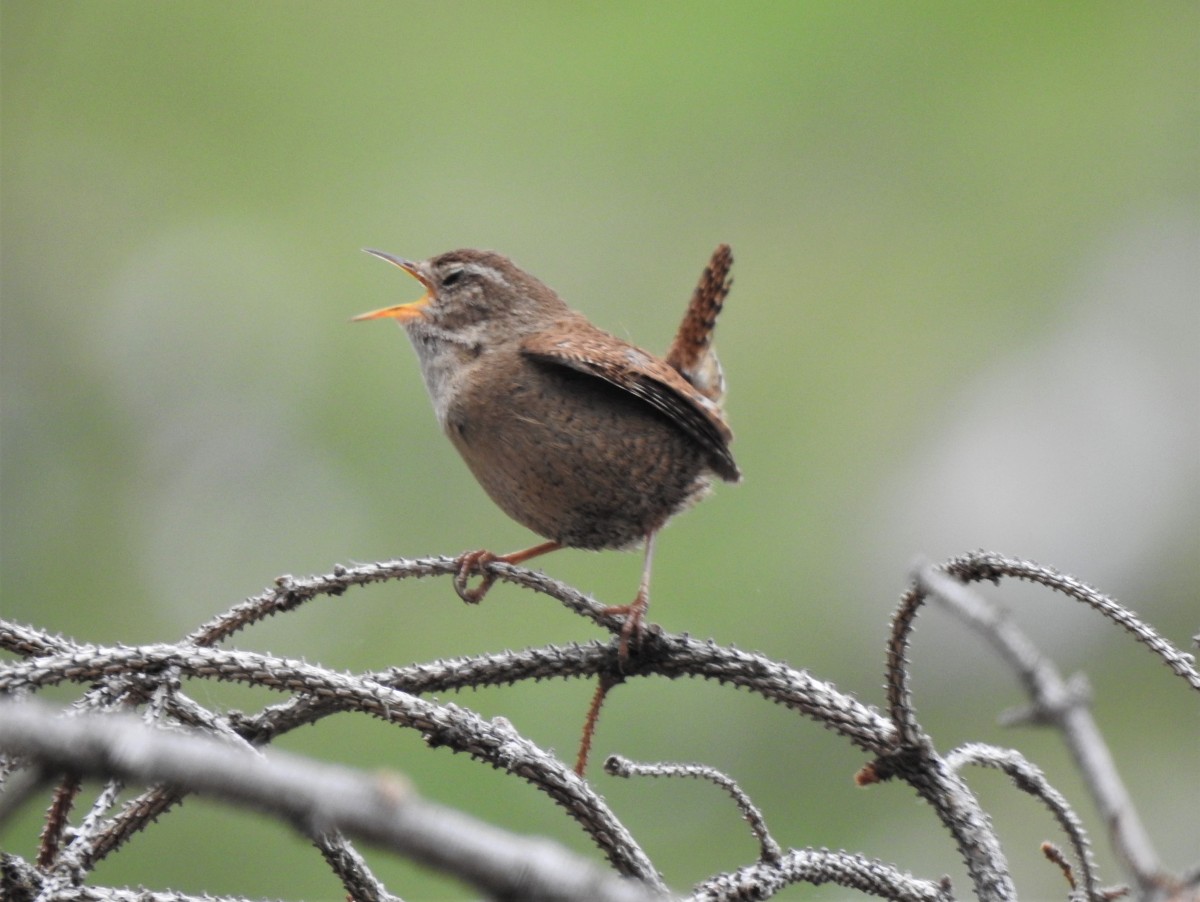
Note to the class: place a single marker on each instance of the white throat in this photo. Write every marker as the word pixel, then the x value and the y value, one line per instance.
pixel 445 359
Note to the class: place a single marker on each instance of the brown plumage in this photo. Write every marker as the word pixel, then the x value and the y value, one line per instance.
pixel 584 438
pixel 691 352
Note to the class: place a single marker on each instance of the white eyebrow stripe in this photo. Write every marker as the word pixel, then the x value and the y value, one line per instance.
pixel 483 270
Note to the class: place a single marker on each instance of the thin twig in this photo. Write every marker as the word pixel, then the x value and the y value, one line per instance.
pixel 768 849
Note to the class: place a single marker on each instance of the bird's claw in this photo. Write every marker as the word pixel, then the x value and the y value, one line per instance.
pixel 634 625
pixel 469 564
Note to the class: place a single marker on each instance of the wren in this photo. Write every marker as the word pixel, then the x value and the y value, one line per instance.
pixel 584 438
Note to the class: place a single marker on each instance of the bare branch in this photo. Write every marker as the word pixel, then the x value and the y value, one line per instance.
pixel 1030 779
pixel 56 821
pixel 1065 706
pixel 986 565
pixel 22 882
pixel 361 885
pixel 673 656
pixel 764 879
pixel 290 592
pixel 448 725
pixel 982 565
pixel 28 641
pixel 318 798
pixel 956 807
pixel 768 849
pixel 149 678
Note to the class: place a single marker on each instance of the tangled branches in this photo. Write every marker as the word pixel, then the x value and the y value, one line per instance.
pixel 175 746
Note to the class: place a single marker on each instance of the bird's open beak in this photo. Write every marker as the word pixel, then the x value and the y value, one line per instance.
pixel 402 312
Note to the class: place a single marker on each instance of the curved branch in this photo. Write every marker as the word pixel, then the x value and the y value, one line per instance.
pixel 985 565
pixel 764 879
pixel 1065 705
pixel 290 592
pixel 1030 779
pixel 318 798
pixel 495 742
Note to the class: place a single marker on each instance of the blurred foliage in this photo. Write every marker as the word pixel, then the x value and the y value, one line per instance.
pixel 915 194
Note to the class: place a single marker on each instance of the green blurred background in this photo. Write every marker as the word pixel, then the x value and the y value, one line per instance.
pixel 966 314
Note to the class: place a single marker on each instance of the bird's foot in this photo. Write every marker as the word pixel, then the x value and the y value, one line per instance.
pixel 635 620
pixel 470 563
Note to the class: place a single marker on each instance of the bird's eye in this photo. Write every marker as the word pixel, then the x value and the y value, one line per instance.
pixel 452 277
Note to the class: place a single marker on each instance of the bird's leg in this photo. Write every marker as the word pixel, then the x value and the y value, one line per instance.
pixel 635 612
pixel 474 561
